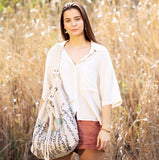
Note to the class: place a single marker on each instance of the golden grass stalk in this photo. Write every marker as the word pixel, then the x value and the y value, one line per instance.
pixel 131 34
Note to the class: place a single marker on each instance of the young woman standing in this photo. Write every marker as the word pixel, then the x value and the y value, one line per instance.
pixel 89 80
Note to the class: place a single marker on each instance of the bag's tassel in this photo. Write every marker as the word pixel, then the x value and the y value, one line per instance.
pixel 46 149
pixel 50 111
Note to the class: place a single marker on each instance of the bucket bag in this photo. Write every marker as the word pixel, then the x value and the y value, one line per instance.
pixel 55 133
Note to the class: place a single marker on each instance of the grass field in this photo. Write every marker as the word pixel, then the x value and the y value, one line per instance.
pixel 129 30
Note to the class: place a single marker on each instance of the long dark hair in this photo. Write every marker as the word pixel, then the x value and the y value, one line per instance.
pixel 89 35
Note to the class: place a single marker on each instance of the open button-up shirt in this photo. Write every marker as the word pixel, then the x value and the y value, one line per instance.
pixel 89 84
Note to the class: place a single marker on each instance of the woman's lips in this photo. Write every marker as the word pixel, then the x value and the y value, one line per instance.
pixel 73 30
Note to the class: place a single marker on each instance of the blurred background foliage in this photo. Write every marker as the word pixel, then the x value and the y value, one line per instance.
pixel 130 31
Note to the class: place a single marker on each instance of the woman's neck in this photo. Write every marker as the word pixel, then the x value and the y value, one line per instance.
pixel 77 42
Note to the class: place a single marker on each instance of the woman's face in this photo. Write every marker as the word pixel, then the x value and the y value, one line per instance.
pixel 73 23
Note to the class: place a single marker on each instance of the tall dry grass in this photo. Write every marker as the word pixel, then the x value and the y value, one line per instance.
pixel 130 31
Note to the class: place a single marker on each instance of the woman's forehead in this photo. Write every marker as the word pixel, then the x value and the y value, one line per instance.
pixel 71 13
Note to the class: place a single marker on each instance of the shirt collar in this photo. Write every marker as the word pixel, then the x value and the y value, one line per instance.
pixel 94 46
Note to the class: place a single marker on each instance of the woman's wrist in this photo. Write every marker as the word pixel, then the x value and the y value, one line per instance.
pixel 106 130
pixel 106 126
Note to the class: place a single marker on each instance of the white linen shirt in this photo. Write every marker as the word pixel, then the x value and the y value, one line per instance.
pixel 89 84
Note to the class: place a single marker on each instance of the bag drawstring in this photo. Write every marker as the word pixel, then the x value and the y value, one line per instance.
pixel 51 112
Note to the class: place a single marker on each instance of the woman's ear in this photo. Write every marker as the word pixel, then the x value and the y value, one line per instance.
pixel 65 30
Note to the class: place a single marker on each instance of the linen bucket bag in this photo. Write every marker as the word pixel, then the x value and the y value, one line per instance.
pixel 55 133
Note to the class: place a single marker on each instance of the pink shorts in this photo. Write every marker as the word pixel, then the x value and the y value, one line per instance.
pixel 88 132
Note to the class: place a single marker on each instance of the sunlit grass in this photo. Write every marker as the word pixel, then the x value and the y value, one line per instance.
pixel 131 34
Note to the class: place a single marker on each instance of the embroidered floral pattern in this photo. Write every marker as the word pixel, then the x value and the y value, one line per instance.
pixel 61 141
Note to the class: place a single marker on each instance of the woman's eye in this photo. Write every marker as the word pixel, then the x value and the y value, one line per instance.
pixel 67 20
pixel 77 19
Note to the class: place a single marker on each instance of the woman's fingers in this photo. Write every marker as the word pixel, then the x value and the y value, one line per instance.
pixel 101 144
pixel 97 142
pixel 102 140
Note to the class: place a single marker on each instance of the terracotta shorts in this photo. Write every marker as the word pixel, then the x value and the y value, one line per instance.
pixel 88 132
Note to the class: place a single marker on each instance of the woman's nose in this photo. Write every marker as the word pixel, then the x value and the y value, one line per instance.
pixel 73 23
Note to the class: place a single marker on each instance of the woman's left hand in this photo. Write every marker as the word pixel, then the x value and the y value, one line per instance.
pixel 103 140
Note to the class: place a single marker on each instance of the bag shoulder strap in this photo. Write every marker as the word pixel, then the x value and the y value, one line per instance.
pixel 57 59
pixel 58 49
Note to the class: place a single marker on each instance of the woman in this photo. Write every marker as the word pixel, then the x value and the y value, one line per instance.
pixel 89 80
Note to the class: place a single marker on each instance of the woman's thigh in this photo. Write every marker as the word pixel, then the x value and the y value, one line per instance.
pixel 91 154
pixel 68 157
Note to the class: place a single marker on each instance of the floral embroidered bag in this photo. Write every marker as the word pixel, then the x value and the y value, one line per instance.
pixel 55 133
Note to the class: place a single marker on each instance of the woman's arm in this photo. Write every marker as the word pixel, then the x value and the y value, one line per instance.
pixel 104 134
pixel 106 117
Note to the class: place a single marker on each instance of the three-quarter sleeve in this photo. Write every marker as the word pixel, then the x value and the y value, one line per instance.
pixel 109 88
pixel 48 75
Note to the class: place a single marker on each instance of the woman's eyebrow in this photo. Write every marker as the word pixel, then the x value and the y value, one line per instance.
pixel 73 17
pixel 77 16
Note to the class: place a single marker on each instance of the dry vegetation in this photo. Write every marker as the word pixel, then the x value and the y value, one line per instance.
pixel 130 32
